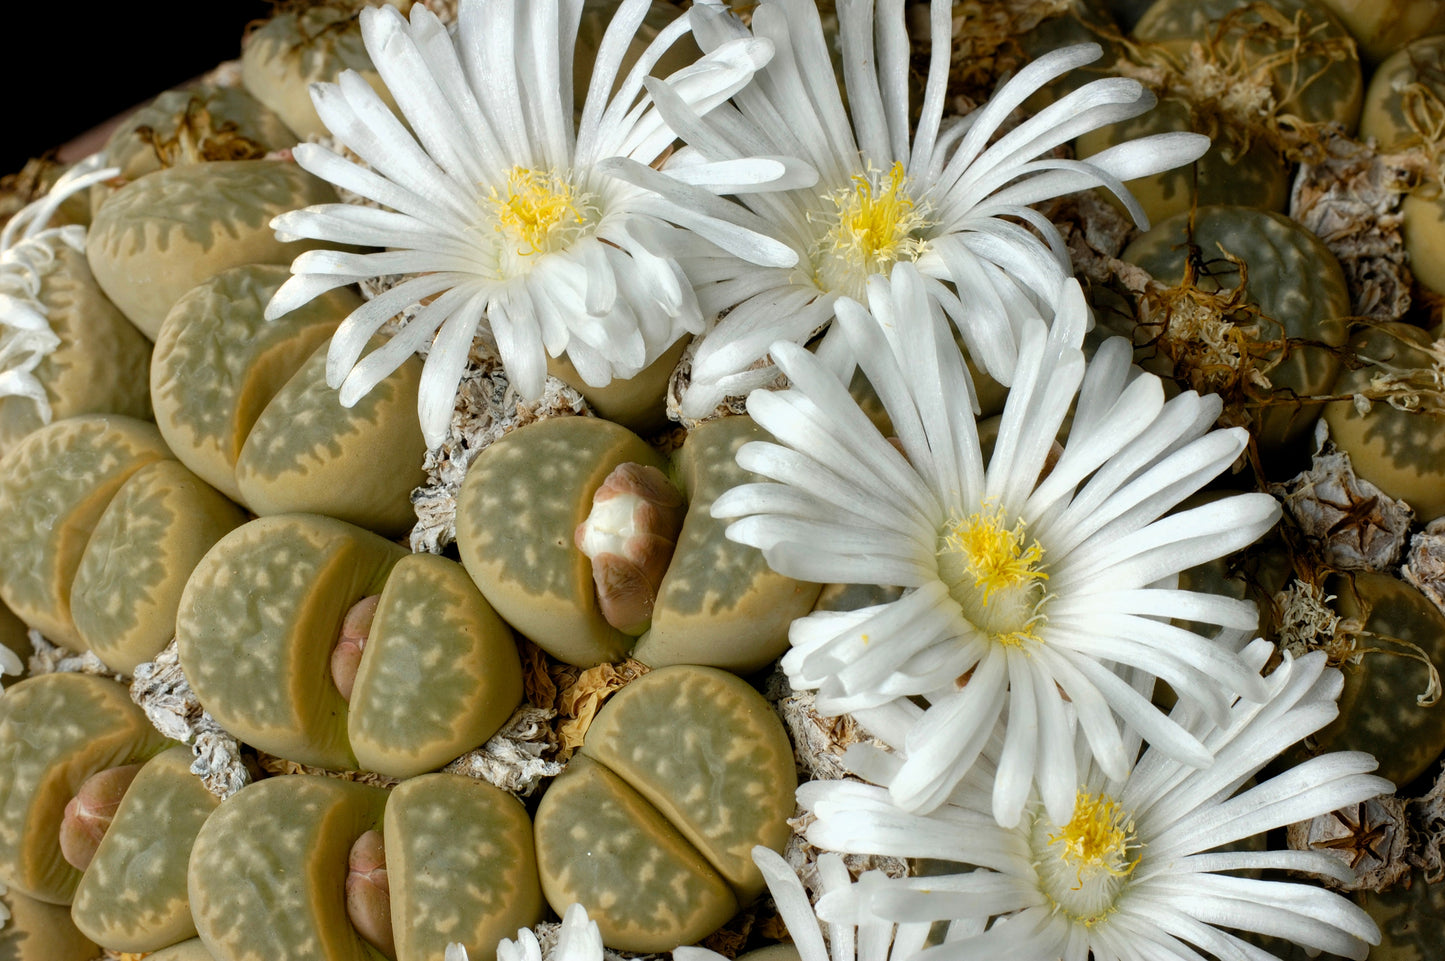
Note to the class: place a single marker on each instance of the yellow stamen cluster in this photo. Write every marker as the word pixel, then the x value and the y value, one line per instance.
pixel 997 557
pixel 1098 837
pixel 995 573
pixel 538 208
pixel 874 225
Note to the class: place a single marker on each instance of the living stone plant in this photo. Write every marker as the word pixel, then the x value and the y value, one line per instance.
pixel 376 341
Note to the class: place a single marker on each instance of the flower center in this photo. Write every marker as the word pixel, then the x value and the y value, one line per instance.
pixel 995 573
pixel 540 211
pixel 1082 867
pixel 872 225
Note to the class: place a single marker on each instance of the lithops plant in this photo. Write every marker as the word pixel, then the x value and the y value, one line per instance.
pixel 133 895
pixel 198 123
pixel 1379 710
pixel 64 347
pixel 1382 27
pixel 439 672
pixel 163 234
pixel 301 46
pixel 40 931
pixel 306 452
pixel 218 362
pixel 517 515
pixel 1400 451
pixel 1402 110
pixel 54 486
pixel 45 763
pixel 1237 70
pixel 652 824
pixel 193 950
pixel 461 865
pixel 128 583
pixel 257 623
pixel 1282 324
pixel 267 874
pixel 720 604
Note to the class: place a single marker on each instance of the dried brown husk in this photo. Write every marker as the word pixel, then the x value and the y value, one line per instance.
pixel 1229 87
pixel 198 138
pixel 1349 196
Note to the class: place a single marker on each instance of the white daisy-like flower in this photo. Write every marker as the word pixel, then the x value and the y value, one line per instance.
pixel 28 247
pixel 1136 872
pixel 859 937
pixel 1040 581
pixel 578 939
pixel 952 197
pixel 505 211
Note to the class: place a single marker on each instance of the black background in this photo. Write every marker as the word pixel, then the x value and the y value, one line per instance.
pixel 71 68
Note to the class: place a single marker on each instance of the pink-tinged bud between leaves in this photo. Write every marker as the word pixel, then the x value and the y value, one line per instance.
pixel 89 813
pixel 368 893
pixel 350 642
pixel 630 535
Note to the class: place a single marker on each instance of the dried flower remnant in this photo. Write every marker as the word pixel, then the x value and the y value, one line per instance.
pixel 1349 523
pixel 1425 563
pixel 1270 73
pixel 579 700
pixel 519 757
pixel 1349 196
pixel 1370 838
pixel 161 690
pixel 486 407
pixel 629 536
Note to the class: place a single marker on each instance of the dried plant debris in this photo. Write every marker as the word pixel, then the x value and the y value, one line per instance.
pixel 1427 816
pixel 579 701
pixel 48 658
pixel 1351 524
pixel 273 765
pixel 802 857
pixel 1383 840
pixel 819 743
pixel 1425 564
pixel 1350 198
pixel 162 691
pixel 1370 838
pixel 1410 389
pixel 486 408
pixel 199 138
pixel 519 757
pixel 1229 81
pixel 1306 622
pixel 985 43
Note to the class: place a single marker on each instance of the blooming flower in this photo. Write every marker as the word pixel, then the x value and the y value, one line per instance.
pixel 862 936
pixel 1040 582
pixel 501 209
pixel 942 197
pixel 1135 871
pixel 578 939
pixel 28 247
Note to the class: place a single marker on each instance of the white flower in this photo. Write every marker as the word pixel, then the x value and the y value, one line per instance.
pixel 861 936
pixel 504 210
pixel 942 196
pixel 28 247
pixel 578 939
pixel 1135 871
pixel 1040 581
